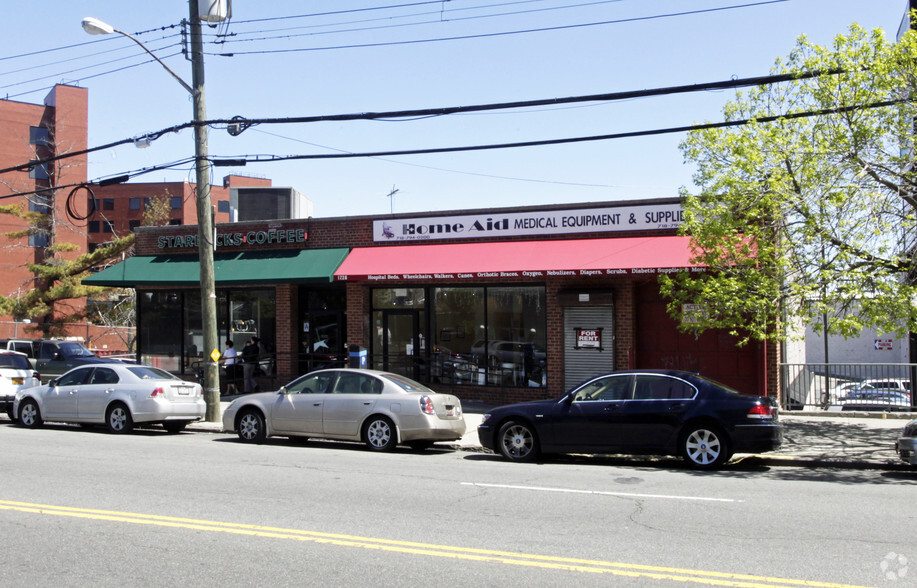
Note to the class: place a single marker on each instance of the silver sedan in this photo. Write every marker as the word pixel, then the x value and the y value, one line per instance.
pixel 115 395
pixel 380 409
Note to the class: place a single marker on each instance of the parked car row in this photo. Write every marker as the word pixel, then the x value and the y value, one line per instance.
pixel 633 412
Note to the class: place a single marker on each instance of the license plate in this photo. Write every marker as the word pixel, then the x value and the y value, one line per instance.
pixel 17 381
pixel 450 411
pixel 184 391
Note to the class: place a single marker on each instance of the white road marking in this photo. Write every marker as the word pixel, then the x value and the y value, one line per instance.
pixel 600 493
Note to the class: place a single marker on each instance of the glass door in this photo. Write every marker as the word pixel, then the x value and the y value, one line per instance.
pixel 401 342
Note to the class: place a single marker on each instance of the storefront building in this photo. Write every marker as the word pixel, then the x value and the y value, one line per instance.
pixel 496 305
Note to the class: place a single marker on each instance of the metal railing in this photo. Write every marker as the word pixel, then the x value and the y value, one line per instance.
pixel 880 387
pixel 275 370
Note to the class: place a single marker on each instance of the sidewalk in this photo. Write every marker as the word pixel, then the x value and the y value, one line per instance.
pixel 811 439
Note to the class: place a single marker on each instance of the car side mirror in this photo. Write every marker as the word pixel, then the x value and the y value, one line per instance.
pixel 57 356
pixel 282 391
pixel 52 383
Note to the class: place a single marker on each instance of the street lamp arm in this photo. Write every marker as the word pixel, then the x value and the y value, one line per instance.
pixel 94 26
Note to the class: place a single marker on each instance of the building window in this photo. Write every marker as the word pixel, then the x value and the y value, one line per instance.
pixel 134 204
pixel 170 332
pixel 174 221
pixel 160 339
pixel 175 202
pixel 108 226
pixel 39 203
pixel 39 240
pixel 39 136
pixel 494 335
pixel 38 171
pixel 133 224
pixel 223 206
pixel 94 226
pixel 108 203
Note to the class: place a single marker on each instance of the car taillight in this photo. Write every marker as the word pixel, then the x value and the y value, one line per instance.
pixel 157 392
pixel 36 375
pixel 762 411
pixel 426 405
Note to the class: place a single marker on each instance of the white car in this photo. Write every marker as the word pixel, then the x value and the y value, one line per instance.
pixel 380 409
pixel 116 395
pixel 16 373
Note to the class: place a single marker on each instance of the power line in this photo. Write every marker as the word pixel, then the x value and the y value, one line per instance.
pixel 756 81
pixel 497 34
pixel 229 38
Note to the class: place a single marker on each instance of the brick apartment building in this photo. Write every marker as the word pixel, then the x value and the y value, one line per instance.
pixel 119 207
pixel 58 126
pixel 33 132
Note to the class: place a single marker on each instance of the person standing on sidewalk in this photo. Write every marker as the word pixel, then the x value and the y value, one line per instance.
pixel 250 357
pixel 232 373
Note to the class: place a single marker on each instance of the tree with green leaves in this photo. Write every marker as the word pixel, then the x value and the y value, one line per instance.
pixel 811 213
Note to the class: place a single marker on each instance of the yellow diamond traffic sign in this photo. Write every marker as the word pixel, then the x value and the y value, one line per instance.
pixel 215 355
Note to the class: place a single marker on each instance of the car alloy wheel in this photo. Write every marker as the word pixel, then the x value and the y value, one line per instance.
pixel 29 415
pixel 379 434
pixel 517 441
pixel 705 448
pixel 119 419
pixel 251 427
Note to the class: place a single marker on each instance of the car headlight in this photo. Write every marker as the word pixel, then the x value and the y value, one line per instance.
pixel 485 419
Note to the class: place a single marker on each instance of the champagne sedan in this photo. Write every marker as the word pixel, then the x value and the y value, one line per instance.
pixel 380 409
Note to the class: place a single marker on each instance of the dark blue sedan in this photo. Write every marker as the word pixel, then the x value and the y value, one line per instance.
pixel 655 412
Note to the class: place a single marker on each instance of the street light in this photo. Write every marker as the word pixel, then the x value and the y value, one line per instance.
pixel 94 26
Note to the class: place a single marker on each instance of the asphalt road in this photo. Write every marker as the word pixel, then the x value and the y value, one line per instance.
pixel 80 507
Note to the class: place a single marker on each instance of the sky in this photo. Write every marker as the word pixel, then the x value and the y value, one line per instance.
pixel 314 58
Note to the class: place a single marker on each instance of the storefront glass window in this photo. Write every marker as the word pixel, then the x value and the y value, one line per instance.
pixel 398 298
pixel 493 336
pixel 171 335
pixel 160 329
pixel 194 333
pixel 515 335
pixel 458 322
pixel 252 313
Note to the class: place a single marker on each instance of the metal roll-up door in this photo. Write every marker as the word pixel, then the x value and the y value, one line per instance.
pixel 584 356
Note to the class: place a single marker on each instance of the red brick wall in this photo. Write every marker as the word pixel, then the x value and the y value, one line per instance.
pixel 64 112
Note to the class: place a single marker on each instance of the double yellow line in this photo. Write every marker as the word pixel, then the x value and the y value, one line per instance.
pixel 423 549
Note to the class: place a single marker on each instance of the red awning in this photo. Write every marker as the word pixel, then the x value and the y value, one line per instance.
pixel 531 259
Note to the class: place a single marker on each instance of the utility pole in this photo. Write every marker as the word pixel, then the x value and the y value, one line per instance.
pixel 391 199
pixel 205 238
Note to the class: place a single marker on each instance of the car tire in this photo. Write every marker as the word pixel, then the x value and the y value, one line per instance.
pixel 517 441
pixel 251 427
pixel 118 419
pixel 379 434
pixel 705 447
pixel 30 414
pixel 174 427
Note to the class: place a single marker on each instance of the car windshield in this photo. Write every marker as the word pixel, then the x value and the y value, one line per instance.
pixel 151 373
pixel 71 349
pixel 407 384
pixel 18 362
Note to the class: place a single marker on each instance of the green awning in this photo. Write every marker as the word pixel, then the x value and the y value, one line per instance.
pixel 301 266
